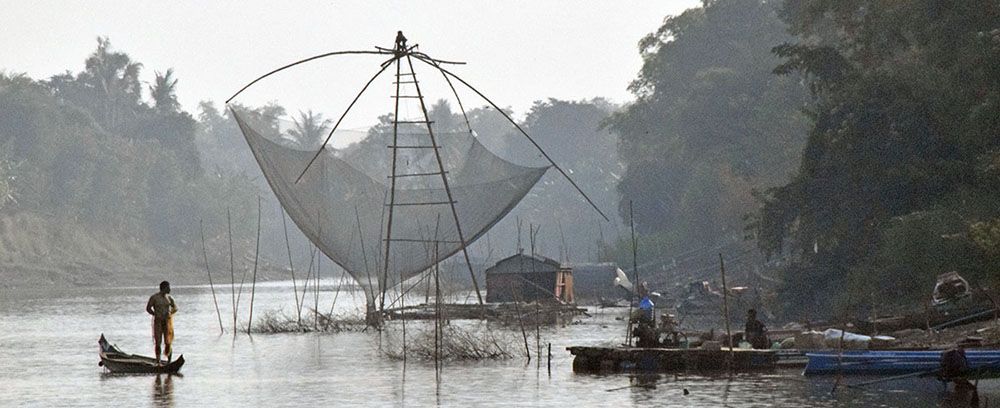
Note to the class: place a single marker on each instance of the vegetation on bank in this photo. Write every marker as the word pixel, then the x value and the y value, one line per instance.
pixel 898 181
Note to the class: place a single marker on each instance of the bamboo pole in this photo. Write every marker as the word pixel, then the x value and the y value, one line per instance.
pixel 291 266
pixel 232 268
pixel 392 190
pixel 364 255
pixel 520 320
pixel 538 336
pixel 725 306
pixel 256 258
pixel 549 364
pixel 437 304
pixel 211 284
pixel 635 285
pixel 305 282
pixel 319 263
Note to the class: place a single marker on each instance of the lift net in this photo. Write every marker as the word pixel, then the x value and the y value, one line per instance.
pixel 341 203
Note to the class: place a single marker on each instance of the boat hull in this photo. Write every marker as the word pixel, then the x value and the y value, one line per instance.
pixel 619 359
pixel 895 362
pixel 119 362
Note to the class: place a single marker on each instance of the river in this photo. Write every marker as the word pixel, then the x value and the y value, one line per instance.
pixel 48 357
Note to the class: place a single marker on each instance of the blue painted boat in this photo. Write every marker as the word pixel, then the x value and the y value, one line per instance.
pixel 894 362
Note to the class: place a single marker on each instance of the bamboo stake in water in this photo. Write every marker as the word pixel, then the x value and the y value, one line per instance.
pixel 437 305
pixel 635 285
pixel 211 284
pixel 725 306
pixel 256 257
pixel 291 266
pixel 549 364
pixel 520 320
pixel 538 335
pixel 305 282
pixel 232 268
pixel 319 263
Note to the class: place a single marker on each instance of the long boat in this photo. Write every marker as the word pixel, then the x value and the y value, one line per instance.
pixel 117 361
pixel 887 362
pixel 618 359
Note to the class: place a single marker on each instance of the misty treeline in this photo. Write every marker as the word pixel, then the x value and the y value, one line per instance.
pixel 101 152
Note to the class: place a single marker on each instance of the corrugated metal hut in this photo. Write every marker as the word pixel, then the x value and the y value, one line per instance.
pixel 528 278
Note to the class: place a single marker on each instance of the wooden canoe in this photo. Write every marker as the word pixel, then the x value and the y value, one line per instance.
pixel 117 361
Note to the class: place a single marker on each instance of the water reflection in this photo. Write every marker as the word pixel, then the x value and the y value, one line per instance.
pixel 163 390
pixel 348 370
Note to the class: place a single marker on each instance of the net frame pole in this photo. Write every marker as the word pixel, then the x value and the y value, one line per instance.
pixel 444 177
pixel 392 191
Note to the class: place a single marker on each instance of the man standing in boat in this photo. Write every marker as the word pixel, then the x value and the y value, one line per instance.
pixel 162 307
pixel 755 331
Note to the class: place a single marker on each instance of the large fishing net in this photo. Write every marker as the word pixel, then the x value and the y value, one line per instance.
pixel 341 203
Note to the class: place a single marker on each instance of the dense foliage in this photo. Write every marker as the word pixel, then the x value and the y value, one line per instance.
pixel 898 182
pixel 711 124
pixel 87 149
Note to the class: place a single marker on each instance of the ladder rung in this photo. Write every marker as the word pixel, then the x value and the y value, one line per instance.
pixel 413 147
pixel 426 203
pixel 404 73
pixel 404 82
pixel 406 96
pixel 421 240
pixel 433 173
pixel 414 121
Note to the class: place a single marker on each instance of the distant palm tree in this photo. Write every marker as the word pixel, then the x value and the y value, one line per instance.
pixel 310 128
pixel 115 79
pixel 164 91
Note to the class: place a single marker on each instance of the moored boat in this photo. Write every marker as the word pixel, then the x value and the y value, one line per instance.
pixel 888 362
pixel 656 359
pixel 117 361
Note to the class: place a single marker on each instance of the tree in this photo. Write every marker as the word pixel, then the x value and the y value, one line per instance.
pixel 164 92
pixel 899 131
pixel 310 129
pixel 710 125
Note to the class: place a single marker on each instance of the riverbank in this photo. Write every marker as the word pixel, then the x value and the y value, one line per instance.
pixel 39 251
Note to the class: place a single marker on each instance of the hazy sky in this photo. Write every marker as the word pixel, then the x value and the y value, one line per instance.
pixel 517 51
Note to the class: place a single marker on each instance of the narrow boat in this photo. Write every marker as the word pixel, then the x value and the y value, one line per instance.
pixel 895 362
pixel 618 359
pixel 117 361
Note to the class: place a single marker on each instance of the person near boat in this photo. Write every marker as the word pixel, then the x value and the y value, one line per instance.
pixel 755 331
pixel 162 307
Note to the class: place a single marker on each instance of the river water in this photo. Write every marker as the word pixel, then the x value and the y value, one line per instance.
pixel 48 357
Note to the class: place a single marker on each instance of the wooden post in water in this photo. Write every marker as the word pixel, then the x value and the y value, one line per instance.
pixel 319 263
pixel 520 320
pixel 550 359
pixel 725 306
pixel 232 267
pixel 635 285
pixel 538 334
pixel 256 257
pixel 437 305
pixel 291 266
pixel 211 284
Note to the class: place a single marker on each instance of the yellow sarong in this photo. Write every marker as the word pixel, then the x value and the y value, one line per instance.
pixel 163 331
